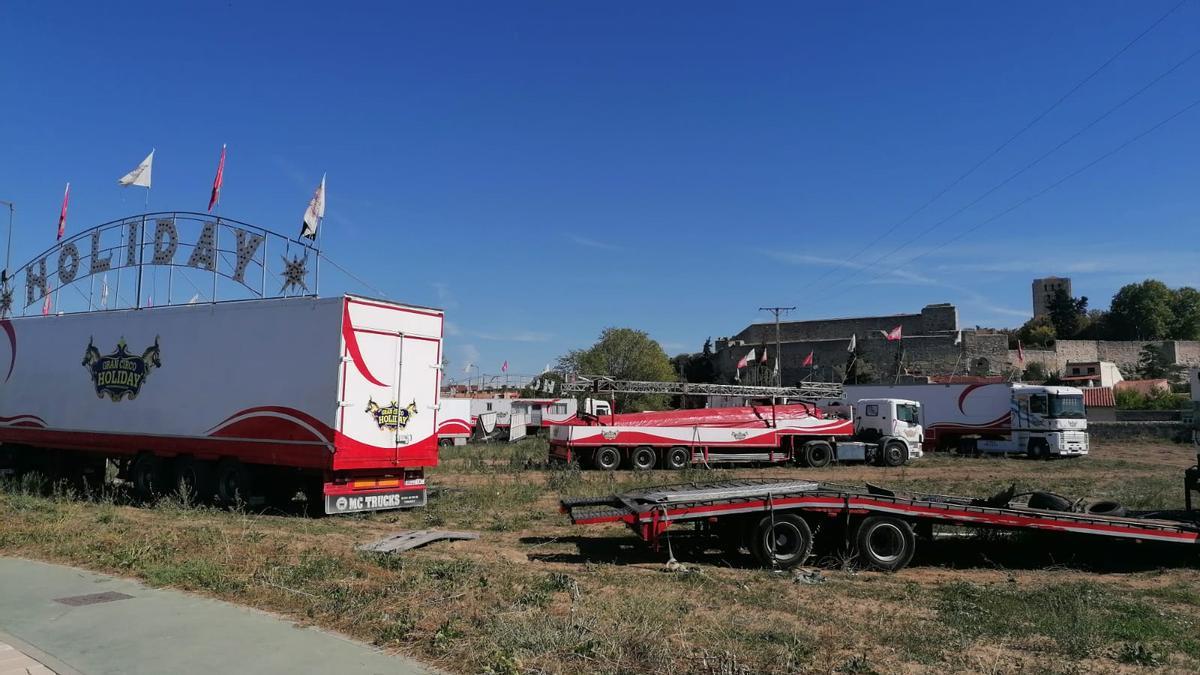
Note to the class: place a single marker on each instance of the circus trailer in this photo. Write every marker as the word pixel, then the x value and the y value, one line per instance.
pixel 995 418
pixel 456 424
pixel 254 389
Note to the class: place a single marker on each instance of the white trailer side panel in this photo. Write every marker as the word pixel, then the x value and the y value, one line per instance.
pixel 180 371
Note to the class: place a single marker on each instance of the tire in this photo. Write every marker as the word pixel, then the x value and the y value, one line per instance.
pixel 147 475
pixel 233 482
pixel 781 542
pixel 445 442
pixel 677 458
pixel 818 454
pixel 1038 449
pixel 1048 502
pixel 894 454
pixel 885 543
pixel 195 475
pixel 642 458
pixel 1107 509
pixel 606 458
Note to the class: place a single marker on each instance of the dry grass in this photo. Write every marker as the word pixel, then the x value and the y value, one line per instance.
pixel 537 595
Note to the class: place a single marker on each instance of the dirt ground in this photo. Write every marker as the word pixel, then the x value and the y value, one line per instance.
pixel 535 594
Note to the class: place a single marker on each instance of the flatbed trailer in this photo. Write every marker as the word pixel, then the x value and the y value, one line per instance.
pixel 777 520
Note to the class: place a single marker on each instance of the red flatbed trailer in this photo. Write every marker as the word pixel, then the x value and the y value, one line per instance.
pixel 776 520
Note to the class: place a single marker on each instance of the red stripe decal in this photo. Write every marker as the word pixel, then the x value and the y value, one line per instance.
pixel 356 353
pixel 12 338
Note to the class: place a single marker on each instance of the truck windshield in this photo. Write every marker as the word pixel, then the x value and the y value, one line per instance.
pixel 1068 406
pixel 908 413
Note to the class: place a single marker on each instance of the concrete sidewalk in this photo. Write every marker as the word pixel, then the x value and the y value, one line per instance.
pixel 72 621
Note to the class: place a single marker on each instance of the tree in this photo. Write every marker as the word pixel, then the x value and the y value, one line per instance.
pixel 1142 311
pixel 1035 372
pixel 1185 306
pixel 1154 364
pixel 858 369
pixel 624 354
pixel 1067 314
pixel 1037 332
pixel 1095 326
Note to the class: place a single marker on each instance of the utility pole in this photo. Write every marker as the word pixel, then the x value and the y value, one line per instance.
pixel 778 349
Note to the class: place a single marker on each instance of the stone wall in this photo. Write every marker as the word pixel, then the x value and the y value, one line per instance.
pixel 931 319
pixel 978 354
pixel 1124 353
pixel 1133 431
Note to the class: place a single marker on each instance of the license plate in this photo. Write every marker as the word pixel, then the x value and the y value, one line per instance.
pixel 373 502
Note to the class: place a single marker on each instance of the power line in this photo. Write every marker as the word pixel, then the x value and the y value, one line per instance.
pixel 1015 136
pixel 905 244
pixel 1041 192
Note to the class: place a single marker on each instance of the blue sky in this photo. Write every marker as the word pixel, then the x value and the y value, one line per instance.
pixel 545 170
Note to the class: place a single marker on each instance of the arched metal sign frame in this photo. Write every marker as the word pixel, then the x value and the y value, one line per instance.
pixel 204 258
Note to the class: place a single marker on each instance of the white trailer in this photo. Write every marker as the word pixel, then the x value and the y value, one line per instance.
pixel 456 424
pixel 337 396
pixel 994 418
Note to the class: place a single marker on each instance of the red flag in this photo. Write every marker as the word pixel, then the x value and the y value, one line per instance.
pixel 504 368
pixel 62 214
pixel 764 357
pixel 808 360
pixel 894 334
pixel 46 306
pixel 1020 353
pixel 216 189
pixel 746 359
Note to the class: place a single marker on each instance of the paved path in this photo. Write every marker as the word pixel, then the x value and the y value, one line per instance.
pixel 74 622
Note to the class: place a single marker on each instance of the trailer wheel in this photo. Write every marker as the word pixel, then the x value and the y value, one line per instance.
pixel 195 476
pixel 445 442
pixel 146 475
pixel 677 458
pixel 784 540
pixel 885 543
pixel 233 482
pixel 606 458
pixel 818 454
pixel 894 454
pixel 642 458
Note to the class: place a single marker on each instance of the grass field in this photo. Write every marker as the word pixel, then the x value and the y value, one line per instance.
pixel 535 594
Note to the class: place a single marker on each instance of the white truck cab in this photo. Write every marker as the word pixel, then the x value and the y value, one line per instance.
pixel 889 417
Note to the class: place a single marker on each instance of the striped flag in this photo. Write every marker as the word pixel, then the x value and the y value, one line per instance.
pixel 894 334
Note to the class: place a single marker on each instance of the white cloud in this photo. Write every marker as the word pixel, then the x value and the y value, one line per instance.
pixel 452 329
pixel 445 296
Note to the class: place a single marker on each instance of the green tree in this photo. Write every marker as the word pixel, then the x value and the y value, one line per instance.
pixel 1142 311
pixel 1154 364
pixel 624 354
pixel 1095 326
pixel 1067 314
pixel 858 369
pixel 1185 306
pixel 1035 372
pixel 1037 333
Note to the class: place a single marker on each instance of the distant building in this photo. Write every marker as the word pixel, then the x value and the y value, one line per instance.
pixel 1043 293
pixel 1092 374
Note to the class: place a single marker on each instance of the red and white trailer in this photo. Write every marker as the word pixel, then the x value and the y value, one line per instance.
pixel 776 521
pixel 800 433
pixel 1038 421
pixel 456 424
pixel 337 396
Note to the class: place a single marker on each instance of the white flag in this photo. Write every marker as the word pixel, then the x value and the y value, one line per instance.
pixel 315 212
pixel 958 338
pixel 853 343
pixel 467 368
pixel 104 292
pixel 141 175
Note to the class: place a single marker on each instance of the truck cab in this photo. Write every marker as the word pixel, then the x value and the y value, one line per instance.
pixel 1047 421
pixel 899 418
